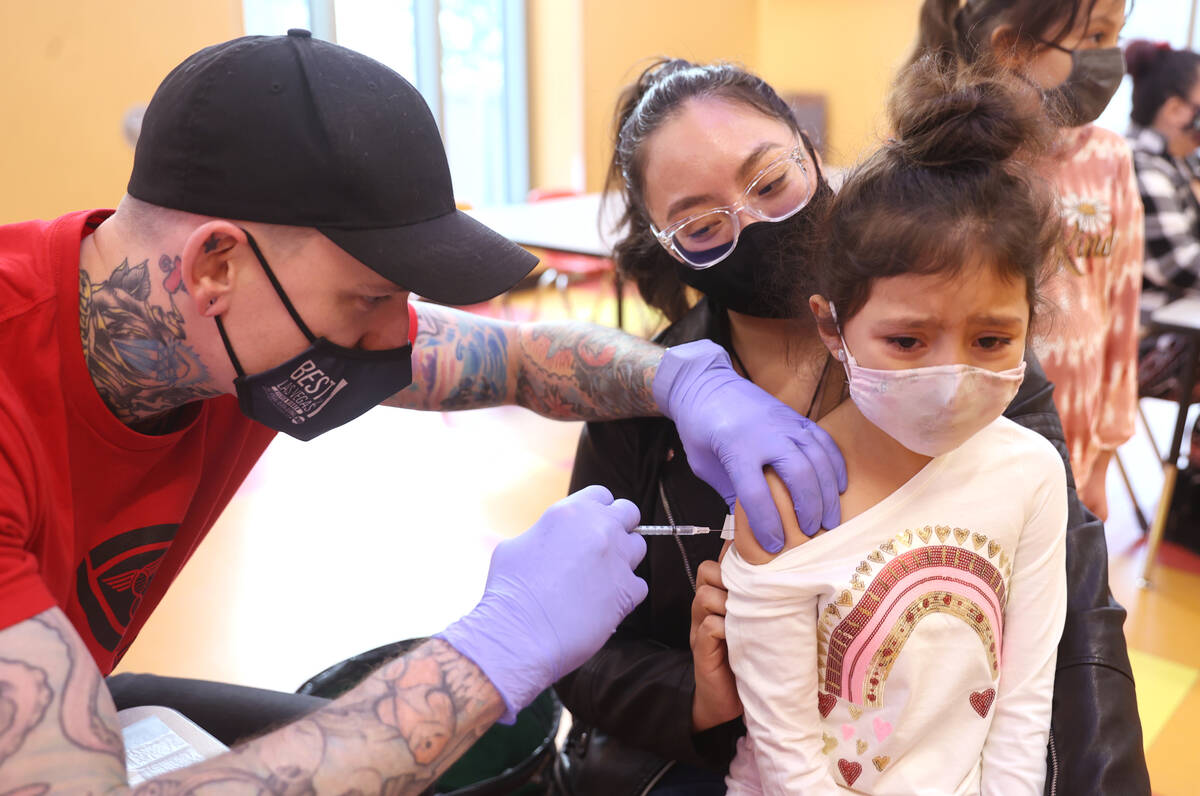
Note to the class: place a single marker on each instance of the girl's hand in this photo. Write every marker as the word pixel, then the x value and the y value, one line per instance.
pixel 715 700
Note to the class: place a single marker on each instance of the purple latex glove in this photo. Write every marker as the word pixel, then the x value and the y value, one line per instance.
pixel 732 429
pixel 554 595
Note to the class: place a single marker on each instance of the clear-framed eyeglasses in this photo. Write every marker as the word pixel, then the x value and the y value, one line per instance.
pixel 779 191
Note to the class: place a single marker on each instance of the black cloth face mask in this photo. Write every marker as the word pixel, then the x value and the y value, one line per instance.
pixel 1094 78
pixel 323 386
pixel 767 274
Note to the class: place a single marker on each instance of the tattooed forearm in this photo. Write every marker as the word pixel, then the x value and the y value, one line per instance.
pixel 560 370
pixel 86 707
pixel 24 697
pixel 577 372
pixel 58 726
pixel 460 361
pixel 393 734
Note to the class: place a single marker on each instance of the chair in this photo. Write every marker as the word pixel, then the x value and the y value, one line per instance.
pixel 562 269
pixel 1183 318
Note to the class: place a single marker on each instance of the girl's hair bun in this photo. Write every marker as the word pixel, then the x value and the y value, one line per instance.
pixel 946 114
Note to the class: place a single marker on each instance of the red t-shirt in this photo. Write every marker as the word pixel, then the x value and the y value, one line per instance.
pixel 95 517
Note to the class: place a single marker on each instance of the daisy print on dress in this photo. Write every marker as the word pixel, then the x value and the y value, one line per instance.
pixel 932 570
pixel 1087 228
pixel 1087 214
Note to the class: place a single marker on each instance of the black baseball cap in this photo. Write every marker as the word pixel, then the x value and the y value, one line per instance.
pixel 298 131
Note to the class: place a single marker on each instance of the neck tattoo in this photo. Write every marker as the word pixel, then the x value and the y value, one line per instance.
pixel 135 348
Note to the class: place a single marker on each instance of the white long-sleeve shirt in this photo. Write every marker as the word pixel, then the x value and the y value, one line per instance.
pixel 911 649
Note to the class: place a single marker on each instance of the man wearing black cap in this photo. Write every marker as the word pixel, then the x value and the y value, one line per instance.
pixel 287 196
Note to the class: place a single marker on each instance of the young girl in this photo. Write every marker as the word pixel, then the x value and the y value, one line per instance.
pixel 1068 50
pixel 933 612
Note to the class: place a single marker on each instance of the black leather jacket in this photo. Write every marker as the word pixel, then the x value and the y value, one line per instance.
pixel 634 697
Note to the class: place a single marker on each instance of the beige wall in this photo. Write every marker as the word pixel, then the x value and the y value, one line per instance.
pixel 71 69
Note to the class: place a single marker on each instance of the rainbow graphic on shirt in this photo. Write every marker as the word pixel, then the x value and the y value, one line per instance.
pixel 932 570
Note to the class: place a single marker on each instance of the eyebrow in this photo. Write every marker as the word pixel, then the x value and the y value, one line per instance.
pixel 687 202
pixel 997 320
pixel 745 172
pixel 380 287
pixel 1106 19
pixel 934 323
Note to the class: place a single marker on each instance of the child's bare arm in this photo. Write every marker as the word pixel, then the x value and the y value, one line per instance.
pixel 747 546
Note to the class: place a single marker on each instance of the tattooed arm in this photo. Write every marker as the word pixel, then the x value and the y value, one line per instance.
pixel 567 371
pixel 393 734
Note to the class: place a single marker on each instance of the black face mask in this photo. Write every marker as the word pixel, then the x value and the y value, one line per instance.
pixel 767 274
pixel 323 386
pixel 1094 78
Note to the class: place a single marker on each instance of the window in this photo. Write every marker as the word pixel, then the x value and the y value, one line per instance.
pixel 467 58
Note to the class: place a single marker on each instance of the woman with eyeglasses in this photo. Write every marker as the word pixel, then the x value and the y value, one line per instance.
pixel 704 154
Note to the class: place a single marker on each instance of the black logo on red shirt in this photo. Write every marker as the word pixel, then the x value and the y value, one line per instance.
pixel 113 578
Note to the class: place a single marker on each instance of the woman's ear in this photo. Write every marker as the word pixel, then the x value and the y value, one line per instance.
pixel 1008 49
pixel 826 326
pixel 207 267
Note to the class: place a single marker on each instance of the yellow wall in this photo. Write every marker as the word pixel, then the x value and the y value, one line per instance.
pixel 73 67
pixel 555 40
pixel 620 35
pixel 847 51
pixel 71 70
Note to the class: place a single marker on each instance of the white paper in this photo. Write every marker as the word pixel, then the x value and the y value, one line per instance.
pixel 158 740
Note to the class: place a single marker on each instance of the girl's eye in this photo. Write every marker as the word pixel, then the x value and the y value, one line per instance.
pixel 994 342
pixel 374 301
pixel 904 343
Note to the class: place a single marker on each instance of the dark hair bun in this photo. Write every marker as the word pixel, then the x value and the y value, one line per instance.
pixel 1141 55
pixel 946 114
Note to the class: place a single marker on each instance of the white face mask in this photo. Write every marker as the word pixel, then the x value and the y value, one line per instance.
pixel 930 410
